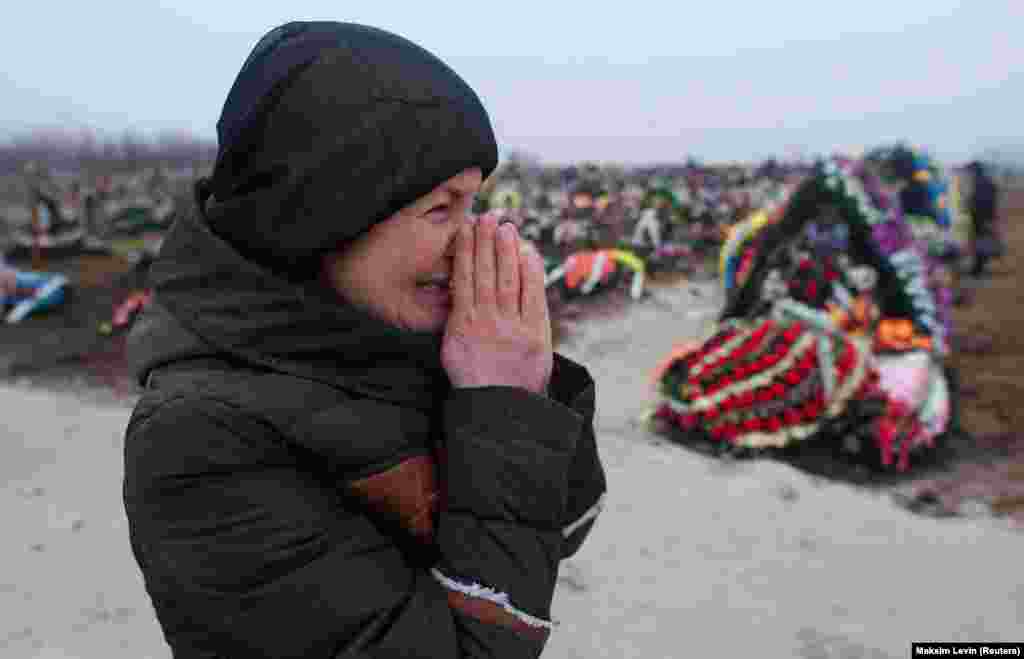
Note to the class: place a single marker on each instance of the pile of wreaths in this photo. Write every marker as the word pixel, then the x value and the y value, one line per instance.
pixel 830 332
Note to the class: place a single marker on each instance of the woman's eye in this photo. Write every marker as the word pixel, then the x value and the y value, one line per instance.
pixel 437 211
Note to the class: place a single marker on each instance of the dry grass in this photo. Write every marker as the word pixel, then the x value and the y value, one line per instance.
pixel 666 279
pixel 992 376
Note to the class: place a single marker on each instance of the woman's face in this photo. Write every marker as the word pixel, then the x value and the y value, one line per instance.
pixel 399 270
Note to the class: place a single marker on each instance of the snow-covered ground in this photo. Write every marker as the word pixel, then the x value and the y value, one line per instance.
pixel 68 583
pixel 696 556
pixel 693 556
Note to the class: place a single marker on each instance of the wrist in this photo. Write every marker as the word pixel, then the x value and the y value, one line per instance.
pixel 540 390
pixel 536 386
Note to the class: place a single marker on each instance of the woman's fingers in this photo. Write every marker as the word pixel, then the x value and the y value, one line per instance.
pixel 462 284
pixel 504 337
pixel 485 275
pixel 508 269
pixel 533 298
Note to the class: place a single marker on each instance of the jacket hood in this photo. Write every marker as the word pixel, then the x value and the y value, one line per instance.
pixel 210 301
pixel 330 128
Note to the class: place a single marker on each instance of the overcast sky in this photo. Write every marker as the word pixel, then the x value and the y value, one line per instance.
pixel 629 81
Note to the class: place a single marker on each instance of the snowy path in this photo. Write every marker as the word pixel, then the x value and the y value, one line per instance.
pixel 699 557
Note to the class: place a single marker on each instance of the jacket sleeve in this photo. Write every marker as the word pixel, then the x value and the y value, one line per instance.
pixel 573 386
pixel 587 481
pixel 505 474
pixel 244 554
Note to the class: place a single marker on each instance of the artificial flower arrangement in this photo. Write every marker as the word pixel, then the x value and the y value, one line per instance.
pixel 587 271
pixel 26 293
pixel 827 334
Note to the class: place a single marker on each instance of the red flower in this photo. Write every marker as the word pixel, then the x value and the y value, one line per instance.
pixel 774 424
pixel 711 413
pixel 778 390
pixel 812 289
pixel 792 377
pixel 846 359
pixel 729 404
pixel 752 425
pixel 764 395
pixel 886 433
pixel 747 398
pixel 791 416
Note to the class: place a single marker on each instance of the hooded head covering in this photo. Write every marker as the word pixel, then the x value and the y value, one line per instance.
pixel 328 129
